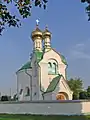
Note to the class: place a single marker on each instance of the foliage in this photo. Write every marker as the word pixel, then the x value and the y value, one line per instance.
pixel 76 86
pixel 87 8
pixel 88 92
pixel 4 98
pixel 83 95
pixel 24 7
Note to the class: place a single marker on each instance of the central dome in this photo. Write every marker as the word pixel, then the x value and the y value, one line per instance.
pixel 36 33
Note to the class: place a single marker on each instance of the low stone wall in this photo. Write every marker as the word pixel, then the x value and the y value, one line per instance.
pixel 46 107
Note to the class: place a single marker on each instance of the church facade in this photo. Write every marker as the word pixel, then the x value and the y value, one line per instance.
pixel 43 77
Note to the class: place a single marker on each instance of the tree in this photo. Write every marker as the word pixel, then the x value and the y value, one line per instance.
pixel 83 95
pixel 87 8
pixel 24 7
pixel 76 86
pixel 4 98
pixel 88 92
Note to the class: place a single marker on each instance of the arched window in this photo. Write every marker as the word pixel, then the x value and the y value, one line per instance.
pixel 54 68
pixel 49 67
pixel 21 90
pixel 27 91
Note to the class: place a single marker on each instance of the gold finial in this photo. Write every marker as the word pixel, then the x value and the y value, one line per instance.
pixel 37 32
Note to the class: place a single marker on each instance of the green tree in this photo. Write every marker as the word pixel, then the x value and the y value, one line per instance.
pixel 76 86
pixel 87 7
pixel 4 98
pixel 23 6
pixel 88 92
pixel 83 95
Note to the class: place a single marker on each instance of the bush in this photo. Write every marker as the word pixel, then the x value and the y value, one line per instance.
pixel 5 98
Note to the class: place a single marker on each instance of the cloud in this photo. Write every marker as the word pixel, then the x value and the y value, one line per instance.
pixel 80 55
pixel 80 45
pixel 81 50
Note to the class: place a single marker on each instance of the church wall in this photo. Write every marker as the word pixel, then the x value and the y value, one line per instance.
pixel 46 107
pixel 48 96
pixel 61 70
pixel 35 79
pixel 44 75
pixel 35 89
pixel 64 88
pixel 55 92
pixel 23 81
pixel 52 95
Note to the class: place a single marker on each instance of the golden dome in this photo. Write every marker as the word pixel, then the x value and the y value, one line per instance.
pixel 46 33
pixel 36 33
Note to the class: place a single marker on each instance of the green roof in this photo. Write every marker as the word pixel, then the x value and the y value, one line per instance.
pixel 63 59
pixel 26 66
pixel 53 84
pixel 39 55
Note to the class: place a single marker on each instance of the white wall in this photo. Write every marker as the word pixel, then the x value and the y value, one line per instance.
pixel 46 107
pixel 23 81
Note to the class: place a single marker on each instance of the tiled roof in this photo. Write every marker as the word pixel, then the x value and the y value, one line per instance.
pixel 26 66
pixel 53 84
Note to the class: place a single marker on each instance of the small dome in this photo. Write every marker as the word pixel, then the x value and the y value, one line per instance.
pixel 36 33
pixel 46 33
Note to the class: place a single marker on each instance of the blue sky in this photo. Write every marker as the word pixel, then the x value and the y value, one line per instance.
pixel 70 29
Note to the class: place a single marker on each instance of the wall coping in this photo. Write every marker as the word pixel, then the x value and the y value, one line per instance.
pixel 44 101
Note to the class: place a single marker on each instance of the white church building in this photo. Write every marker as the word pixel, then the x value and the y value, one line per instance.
pixel 43 77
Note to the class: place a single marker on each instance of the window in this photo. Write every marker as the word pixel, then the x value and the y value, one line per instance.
pixel 49 67
pixel 36 44
pixel 52 66
pixel 21 90
pixel 54 69
pixel 39 44
pixel 27 91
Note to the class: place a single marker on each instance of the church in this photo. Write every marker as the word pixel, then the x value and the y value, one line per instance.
pixel 43 77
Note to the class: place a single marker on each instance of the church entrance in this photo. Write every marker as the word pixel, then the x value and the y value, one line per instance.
pixel 62 96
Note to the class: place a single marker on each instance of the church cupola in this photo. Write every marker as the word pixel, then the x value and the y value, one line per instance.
pixel 36 36
pixel 47 39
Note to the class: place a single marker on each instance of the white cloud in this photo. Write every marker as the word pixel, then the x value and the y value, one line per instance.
pixel 80 45
pixel 81 50
pixel 79 55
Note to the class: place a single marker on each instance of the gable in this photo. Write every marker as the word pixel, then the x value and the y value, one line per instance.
pixel 53 84
pixel 52 54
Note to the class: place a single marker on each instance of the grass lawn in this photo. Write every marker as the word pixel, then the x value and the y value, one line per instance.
pixel 38 117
